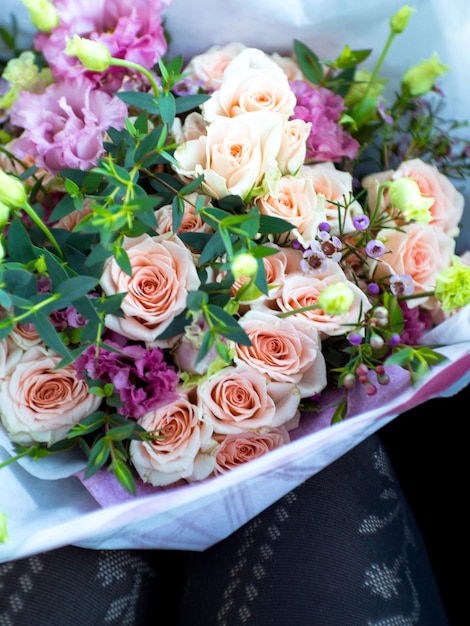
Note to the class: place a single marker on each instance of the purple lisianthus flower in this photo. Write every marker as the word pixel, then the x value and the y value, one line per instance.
pixel 130 29
pixel 328 141
pixel 140 376
pixel 65 124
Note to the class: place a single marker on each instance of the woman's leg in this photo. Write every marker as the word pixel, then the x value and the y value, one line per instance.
pixel 340 550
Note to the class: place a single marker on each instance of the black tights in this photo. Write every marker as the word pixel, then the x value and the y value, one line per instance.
pixel 342 549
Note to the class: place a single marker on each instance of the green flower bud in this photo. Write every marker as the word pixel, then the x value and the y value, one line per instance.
pixel 4 214
pixel 43 14
pixel 405 195
pixel 12 191
pixel 336 299
pixel 94 55
pixel 399 21
pixel 244 264
pixel 453 286
pixel 420 78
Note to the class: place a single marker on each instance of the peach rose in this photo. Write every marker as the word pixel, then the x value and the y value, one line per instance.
pixel 163 271
pixel 284 349
pixel 251 82
pixel 234 450
pixel 418 250
pixel 337 187
pixel 293 146
pixel 191 222
pixel 207 69
pixel 275 271
pixel 296 202
pixel 185 449
pixel 25 336
pixel 193 127
pixel 10 354
pixel 302 290
pixel 448 206
pixel 237 399
pixel 41 403
pixel 235 155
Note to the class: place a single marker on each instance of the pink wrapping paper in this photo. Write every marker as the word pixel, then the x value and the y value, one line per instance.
pixel 49 507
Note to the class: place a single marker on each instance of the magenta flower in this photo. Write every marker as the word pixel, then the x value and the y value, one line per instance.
pixel 131 29
pixel 64 126
pixel 416 322
pixel 141 377
pixel 328 141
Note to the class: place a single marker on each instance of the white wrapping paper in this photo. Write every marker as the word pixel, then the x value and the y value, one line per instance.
pixel 47 505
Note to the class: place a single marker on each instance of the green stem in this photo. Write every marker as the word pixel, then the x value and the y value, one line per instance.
pixel 28 209
pixel 138 68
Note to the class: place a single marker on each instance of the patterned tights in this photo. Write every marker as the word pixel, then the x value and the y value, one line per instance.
pixel 342 549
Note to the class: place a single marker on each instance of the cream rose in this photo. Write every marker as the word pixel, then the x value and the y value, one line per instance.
pixel 184 451
pixel 235 450
pixel 235 155
pixel 239 398
pixel 251 82
pixel 41 403
pixel 207 69
pixel 163 271
pixel 293 146
pixel 337 188
pixel 418 250
pixel 296 202
pixel 284 349
pixel 302 290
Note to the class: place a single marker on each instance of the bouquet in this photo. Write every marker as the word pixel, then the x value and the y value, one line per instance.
pixel 202 262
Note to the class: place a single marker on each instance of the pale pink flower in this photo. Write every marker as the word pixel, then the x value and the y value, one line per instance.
pixel 65 125
pixel 283 349
pixel 235 450
pixel 183 448
pixel 163 272
pixel 237 399
pixel 40 402
pixel 421 251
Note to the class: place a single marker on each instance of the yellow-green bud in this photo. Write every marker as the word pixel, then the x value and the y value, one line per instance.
pixel 4 214
pixel 244 264
pixel 3 527
pixel 12 191
pixel 420 78
pixel 336 299
pixel 43 14
pixel 23 74
pixel 405 195
pixel 94 55
pixel 453 286
pixel 399 21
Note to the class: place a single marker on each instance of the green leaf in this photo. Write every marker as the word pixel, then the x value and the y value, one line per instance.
pixel 167 108
pixel 188 103
pixel 144 101
pixel 99 454
pixel 309 63
pixel 72 289
pixel 19 245
pixel 124 476
pixel 122 259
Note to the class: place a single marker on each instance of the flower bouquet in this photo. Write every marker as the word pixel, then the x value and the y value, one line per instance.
pixel 217 276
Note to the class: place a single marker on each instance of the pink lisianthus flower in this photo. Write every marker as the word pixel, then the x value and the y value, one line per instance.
pixel 328 141
pixel 141 377
pixel 130 29
pixel 65 125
